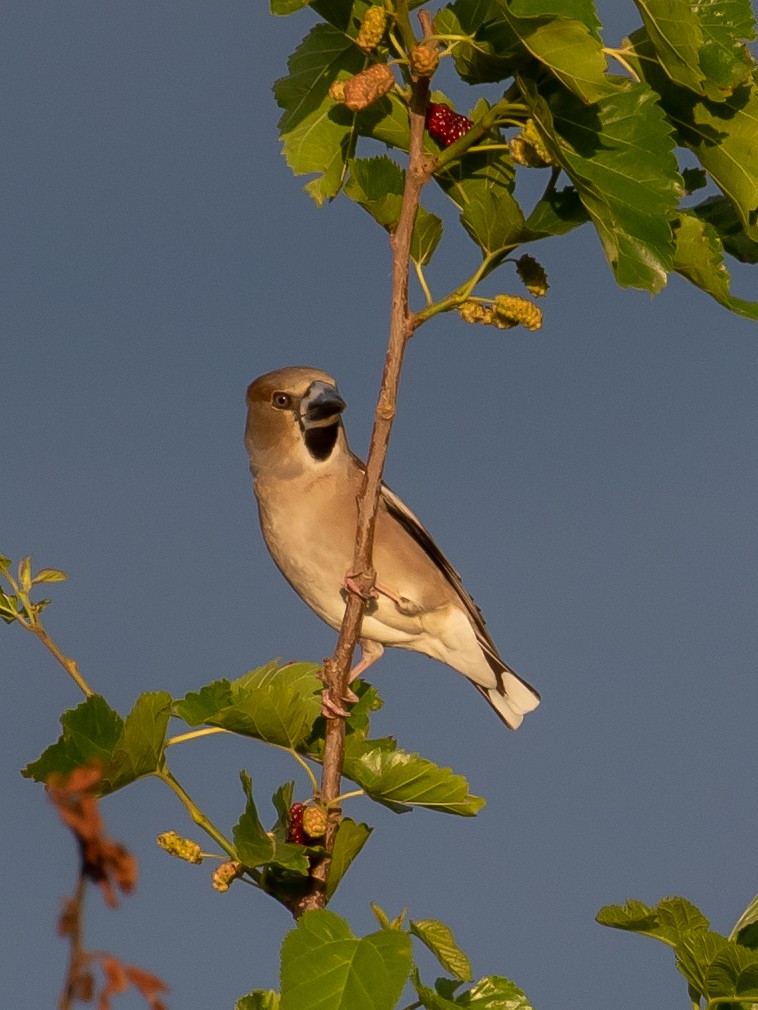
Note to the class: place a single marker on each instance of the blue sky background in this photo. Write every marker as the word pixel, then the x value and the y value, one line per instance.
pixel 595 483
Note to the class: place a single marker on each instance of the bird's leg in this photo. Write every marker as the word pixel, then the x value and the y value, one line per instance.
pixel 403 604
pixel 332 708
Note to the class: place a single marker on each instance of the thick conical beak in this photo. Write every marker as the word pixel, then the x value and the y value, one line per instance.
pixel 321 406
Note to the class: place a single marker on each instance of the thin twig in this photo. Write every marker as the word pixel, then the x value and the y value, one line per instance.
pixel 402 326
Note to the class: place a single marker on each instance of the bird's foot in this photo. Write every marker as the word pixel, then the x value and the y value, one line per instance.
pixel 353 584
pixel 332 703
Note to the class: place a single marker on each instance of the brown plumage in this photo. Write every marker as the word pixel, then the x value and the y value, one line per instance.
pixel 307 481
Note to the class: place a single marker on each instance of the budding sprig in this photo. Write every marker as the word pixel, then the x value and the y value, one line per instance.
pixel 19 607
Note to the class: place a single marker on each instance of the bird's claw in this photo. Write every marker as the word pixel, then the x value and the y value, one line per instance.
pixel 351 583
pixel 332 709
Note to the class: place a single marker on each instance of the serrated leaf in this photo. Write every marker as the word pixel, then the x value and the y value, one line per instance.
pixel 563 37
pixel 324 965
pixel 733 972
pixel 438 937
pixel 278 704
pixel 618 154
pixel 745 930
pixel 668 921
pixel 255 847
pixel 396 778
pixel 699 258
pixel 676 36
pixel 259 999
pixel 139 748
pixel 90 732
pixel 556 214
pixel 721 134
pixel 348 842
pixel 694 953
pixel 376 184
pixel 49 575
pixel 724 59
pixel 317 133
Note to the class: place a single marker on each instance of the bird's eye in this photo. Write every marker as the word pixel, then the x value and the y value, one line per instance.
pixel 281 401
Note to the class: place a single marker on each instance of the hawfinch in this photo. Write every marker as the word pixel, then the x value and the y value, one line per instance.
pixel 307 482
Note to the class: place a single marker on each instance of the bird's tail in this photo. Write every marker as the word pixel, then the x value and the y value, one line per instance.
pixel 511 698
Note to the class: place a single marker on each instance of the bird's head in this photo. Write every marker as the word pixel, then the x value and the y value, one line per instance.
pixel 293 419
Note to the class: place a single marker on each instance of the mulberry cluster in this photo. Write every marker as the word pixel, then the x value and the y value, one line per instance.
pixel 445 125
pixel 365 88
pixel 372 27
pixel 425 59
pixel 184 848
pixel 224 874
pixel 295 831
pixel 505 312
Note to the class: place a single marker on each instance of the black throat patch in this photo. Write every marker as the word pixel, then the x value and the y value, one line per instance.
pixel 320 441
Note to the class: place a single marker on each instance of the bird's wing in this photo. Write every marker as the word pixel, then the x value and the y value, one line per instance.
pixel 412 525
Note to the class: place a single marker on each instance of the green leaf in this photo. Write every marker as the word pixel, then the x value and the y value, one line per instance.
pixel 287 6
pixel 721 134
pixel 694 953
pixel 90 732
pixel 278 704
pixel 255 847
pixel 8 607
pixel 733 972
pixel 493 220
pixel 325 965
pixel 348 842
pixel 494 51
pixel 49 575
pixel 139 748
pixel 699 258
pixel 668 921
pixel 5 564
pixel 438 937
pixel 724 59
pixel 316 132
pixel 490 993
pixel 556 214
pixel 427 232
pixel 376 184
pixel 720 213
pixel 745 930
pixel 397 779
pixel 259 999
pixel 386 121
pixel 94 732
pixel 563 36
pixel 675 34
pixel 618 154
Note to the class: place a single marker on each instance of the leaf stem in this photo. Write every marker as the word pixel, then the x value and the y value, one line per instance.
pixel 195 734
pixel 196 813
